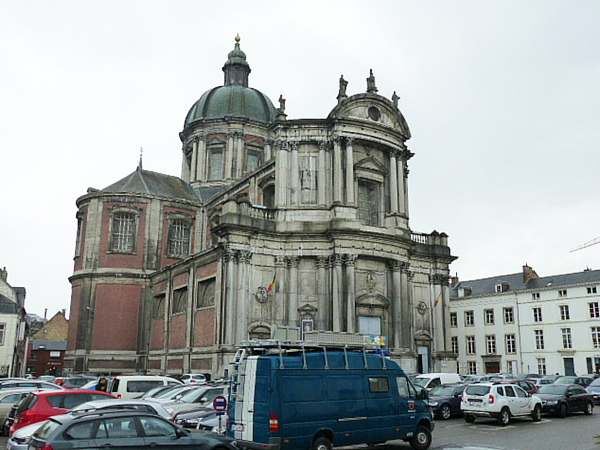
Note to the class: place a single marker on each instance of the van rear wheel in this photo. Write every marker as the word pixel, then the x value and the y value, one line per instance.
pixel 321 443
pixel 421 439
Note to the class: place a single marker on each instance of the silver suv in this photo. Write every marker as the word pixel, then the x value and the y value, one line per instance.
pixel 500 401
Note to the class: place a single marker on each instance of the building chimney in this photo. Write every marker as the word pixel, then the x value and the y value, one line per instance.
pixel 45 313
pixel 455 280
pixel 528 274
pixel 4 274
pixel 64 312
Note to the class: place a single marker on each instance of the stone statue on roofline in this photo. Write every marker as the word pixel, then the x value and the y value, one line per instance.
pixel 371 88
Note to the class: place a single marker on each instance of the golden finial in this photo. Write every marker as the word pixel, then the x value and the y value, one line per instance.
pixel 237 38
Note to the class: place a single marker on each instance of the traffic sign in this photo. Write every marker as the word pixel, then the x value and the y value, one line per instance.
pixel 220 403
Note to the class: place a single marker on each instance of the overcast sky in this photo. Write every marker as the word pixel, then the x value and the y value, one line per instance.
pixel 502 99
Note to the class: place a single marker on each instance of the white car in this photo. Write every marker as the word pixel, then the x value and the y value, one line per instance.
pixel 189 378
pixel 500 401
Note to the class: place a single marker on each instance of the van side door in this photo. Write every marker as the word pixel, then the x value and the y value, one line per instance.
pixel 381 408
pixel 406 399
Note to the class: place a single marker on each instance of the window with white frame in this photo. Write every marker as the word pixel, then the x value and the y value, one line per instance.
pixel 537 314
pixel 472 367
pixel 562 292
pixel 470 345
pixel 490 344
pixel 453 320
pixel 509 315
pixel 594 311
pixel 488 316
pixel 596 337
pixel 510 343
pixel 123 231
pixel 498 289
pixel 564 312
pixel 454 342
pixel 539 339
pixel 535 295
pixel 592 290
pixel 566 338
pixel 2 332
pixel 469 318
pixel 541 365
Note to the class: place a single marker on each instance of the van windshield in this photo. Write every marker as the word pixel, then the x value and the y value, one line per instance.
pixel 421 381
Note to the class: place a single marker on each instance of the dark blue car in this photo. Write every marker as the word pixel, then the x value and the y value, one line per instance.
pixel 444 400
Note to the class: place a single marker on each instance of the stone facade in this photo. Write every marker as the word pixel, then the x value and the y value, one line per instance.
pixel 274 222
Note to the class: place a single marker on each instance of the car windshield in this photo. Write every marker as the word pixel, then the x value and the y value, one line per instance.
pixel 552 389
pixel 477 389
pixel 193 395
pixel 421 381
pixel 46 430
pixel 596 382
pixel 169 392
pixel 442 391
pixel 565 380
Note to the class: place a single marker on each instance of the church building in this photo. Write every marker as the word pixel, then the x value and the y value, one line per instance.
pixel 274 222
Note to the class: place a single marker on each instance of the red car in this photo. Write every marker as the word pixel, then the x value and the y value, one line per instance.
pixel 40 405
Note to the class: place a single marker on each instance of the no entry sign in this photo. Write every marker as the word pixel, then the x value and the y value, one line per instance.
pixel 220 403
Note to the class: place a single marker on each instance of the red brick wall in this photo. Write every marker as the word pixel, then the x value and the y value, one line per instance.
pixel 204 328
pixel 43 364
pixel 207 270
pixel 158 334
pixel 73 317
pixel 116 317
pixel 122 260
pixel 178 326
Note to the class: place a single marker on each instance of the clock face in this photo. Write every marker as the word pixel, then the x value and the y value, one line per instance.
pixel 374 113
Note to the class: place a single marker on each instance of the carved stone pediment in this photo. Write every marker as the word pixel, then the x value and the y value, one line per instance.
pixel 372 301
pixel 370 164
pixel 308 309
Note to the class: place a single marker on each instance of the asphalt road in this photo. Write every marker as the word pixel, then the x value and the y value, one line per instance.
pixel 576 432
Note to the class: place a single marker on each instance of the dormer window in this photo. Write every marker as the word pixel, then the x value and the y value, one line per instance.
pixel 498 289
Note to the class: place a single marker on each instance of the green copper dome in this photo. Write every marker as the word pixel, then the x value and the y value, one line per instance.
pixel 235 99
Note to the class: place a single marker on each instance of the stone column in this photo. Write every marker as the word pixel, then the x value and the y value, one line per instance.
pixel 336 293
pixel 337 170
pixel 229 160
pixel 396 310
pixel 280 307
pixel 402 173
pixel 293 263
pixel 243 294
pixel 322 175
pixel 268 150
pixel 194 159
pixel 349 172
pixel 282 179
pixel 230 309
pixel 239 138
pixel 406 306
pixel 295 175
pixel 323 320
pixel 185 170
pixel 201 159
pixel 351 294
pixel 393 181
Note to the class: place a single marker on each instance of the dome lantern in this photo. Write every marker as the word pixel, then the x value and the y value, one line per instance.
pixel 236 68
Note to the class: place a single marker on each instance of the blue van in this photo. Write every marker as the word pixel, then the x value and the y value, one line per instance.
pixel 315 396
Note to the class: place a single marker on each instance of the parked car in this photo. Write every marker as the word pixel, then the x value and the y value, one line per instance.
pixel 132 386
pixel 561 399
pixel 8 399
pixel 431 380
pixel 158 390
pixel 78 381
pixel 214 423
pixel 193 419
pixel 526 376
pixel 572 379
pixel 444 400
pixel 500 401
pixel 36 384
pixel 594 389
pixel 40 405
pixel 195 399
pixel 112 429
pixel 120 403
pixel 176 393
pixel 21 438
pixel 189 378
pixel 526 385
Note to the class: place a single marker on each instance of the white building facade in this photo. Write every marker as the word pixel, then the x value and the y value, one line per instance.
pixel 522 323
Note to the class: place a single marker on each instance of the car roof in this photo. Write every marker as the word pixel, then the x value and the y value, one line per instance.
pixel 70 391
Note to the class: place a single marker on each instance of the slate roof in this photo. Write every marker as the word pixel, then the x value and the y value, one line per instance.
pixel 514 283
pixel 8 306
pixel 147 182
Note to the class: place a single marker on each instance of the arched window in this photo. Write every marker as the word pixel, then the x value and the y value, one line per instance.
pixel 180 300
pixel 206 293
pixel 158 307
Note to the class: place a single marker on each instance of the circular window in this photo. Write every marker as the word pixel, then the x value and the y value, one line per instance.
pixel 374 113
